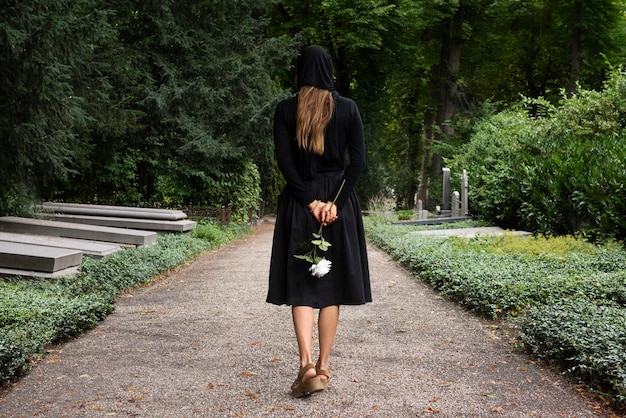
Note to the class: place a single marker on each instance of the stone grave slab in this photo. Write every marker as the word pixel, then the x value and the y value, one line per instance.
pixel 37 258
pixel 70 271
pixel 113 211
pixel 73 230
pixel 182 225
pixel 93 249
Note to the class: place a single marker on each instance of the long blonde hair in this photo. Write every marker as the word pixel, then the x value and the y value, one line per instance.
pixel 315 109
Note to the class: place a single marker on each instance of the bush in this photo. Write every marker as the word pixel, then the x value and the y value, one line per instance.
pixel 560 173
pixel 405 215
pixel 586 339
pixel 238 185
pixel 35 313
pixel 568 295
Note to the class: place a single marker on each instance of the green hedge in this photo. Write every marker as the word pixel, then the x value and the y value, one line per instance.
pixel 586 339
pixel 35 313
pixel 552 169
pixel 568 296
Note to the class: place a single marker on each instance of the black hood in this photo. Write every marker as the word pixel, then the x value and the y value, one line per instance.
pixel 315 68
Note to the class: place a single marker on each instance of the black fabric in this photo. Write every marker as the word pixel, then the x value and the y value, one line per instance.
pixel 315 68
pixel 348 281
pixel 309 177
pixel 343 133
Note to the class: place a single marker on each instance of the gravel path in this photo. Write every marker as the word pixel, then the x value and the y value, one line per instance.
pixel 203 343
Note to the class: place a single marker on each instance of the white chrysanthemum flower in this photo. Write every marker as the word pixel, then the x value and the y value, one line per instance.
pixel 321 269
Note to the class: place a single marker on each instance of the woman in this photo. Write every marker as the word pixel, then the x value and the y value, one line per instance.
pixel 312 132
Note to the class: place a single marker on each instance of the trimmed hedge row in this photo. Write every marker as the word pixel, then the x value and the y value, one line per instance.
pixel 35 313
pixel 568 296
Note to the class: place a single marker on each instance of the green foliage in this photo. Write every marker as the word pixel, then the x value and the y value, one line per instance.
pixel 216 234
pixel 586 339
pixel 156 100
pixel 560 173
pixel 43 112
pixel 35 313
pixel 526 47
pixel 492 160
pixel 568 296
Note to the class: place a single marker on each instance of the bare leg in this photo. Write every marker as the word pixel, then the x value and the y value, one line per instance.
pixel 303 323
pixel 327 324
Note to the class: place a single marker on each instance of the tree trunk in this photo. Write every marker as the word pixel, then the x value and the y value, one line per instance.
pixel 412 152
pixel 575 49
pixel 342 77
pixel 423 186
pixel 445 86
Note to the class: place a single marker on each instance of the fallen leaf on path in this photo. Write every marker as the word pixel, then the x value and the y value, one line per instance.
pixel 284 407
pixel 431 410
pixel 247 374
pixel 252 395
pixel 53 359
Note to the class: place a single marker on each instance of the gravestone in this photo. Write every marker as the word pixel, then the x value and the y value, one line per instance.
pixel 464 190
pixel 445 189
pixel 456 206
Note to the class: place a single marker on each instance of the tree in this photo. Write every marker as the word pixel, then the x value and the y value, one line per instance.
pixel 43 105
pixel 538 48
pixel 197 77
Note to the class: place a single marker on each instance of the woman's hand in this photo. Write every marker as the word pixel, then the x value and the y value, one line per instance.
pixel 328 213
pixel 325 213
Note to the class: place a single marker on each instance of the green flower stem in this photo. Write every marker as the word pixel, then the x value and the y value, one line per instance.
pixel 318 240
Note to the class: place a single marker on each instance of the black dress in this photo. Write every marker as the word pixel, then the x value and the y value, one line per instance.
pixel 309 177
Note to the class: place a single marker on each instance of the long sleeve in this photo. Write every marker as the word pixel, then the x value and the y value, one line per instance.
pixel 356 151
pixel 285 158
pixel 344 133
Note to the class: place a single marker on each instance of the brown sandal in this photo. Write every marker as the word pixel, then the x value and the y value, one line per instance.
pixel 323 372
pixel 314 384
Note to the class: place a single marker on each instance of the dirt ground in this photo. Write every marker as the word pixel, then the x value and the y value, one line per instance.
pixel 203 343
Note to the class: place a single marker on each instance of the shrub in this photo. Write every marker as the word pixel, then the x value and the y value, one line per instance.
pixel 35 313
pixel 586 339
pixel 568 295
pixel 559 173
pixel 382 202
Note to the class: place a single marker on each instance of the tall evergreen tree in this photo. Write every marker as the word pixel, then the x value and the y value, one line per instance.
pixel 195 79
pixel 45 56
